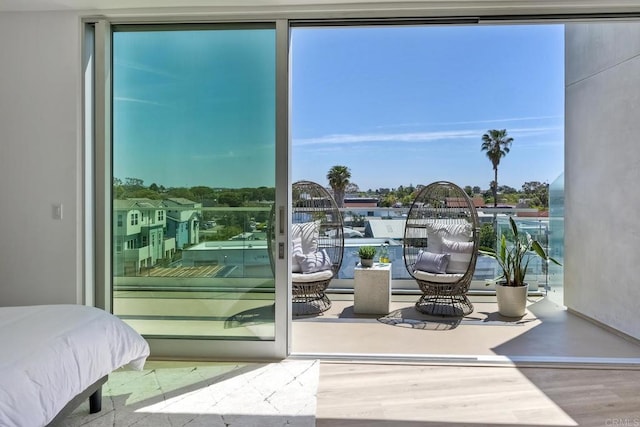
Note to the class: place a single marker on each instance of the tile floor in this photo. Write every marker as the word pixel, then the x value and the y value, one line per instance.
pixel 224 394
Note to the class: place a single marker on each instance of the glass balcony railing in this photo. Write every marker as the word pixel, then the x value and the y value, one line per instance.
pixel 232 243
pixel 193 271
pixel 207 269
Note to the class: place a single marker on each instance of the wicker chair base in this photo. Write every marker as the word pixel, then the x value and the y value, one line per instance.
pixel 310 299
pixel 444 305
pixel 446 300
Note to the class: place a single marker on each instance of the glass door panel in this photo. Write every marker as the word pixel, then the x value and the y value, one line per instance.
pixel 194 181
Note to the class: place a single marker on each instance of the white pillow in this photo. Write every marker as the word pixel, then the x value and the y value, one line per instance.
pixel 314 262
pixel 296 249
pixel 457 231
pixel 308 232
pixel 431 262
pixel 434 241
pixel 461 253
pixel 437 231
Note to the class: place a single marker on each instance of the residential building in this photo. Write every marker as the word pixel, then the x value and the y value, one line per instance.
pixel 380 228
pixel 183 221
pixel 360 202
pixel 139 235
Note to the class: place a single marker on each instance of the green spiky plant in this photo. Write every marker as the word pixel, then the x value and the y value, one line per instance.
pixel 367 252
pixel 515 260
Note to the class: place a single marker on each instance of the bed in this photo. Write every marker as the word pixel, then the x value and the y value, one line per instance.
pixel 53 357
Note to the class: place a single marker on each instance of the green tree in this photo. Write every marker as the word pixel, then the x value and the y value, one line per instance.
pixel 229 198
pixel 507 190
pixel 408 199
pixel 487 236
pixel 143 193
pixel 133 182
pixel 388 200
pixel 182 192
pixel 338 177
pixel 201 192
pixel 497 144
pixel 537 192
pixel 352 188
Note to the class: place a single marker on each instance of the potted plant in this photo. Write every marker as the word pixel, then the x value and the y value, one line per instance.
pixel 511 287
pixel 366 254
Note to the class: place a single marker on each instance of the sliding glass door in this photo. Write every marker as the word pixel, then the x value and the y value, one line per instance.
pixel 193 189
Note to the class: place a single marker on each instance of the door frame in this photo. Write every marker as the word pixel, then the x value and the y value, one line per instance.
pixel 97 91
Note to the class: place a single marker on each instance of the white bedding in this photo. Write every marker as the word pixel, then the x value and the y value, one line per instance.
pixel 51 353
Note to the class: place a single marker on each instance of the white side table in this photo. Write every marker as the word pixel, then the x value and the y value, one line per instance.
pixel 372 289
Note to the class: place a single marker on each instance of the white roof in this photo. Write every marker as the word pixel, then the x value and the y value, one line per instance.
pixel 387 228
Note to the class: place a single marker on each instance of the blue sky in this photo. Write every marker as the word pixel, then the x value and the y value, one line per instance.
pixel 397 105
pixel 409 105
pixel 195 107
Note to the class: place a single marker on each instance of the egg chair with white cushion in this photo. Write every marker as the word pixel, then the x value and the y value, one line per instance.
pixel 317 238
pixel 440 248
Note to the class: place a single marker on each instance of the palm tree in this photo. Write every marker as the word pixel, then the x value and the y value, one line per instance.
pixel 338 177
pixel 496 143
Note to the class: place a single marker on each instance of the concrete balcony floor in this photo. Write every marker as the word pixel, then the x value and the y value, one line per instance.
pixel 547 333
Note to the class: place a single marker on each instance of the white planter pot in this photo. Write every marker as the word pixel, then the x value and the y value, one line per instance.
pixel 512 300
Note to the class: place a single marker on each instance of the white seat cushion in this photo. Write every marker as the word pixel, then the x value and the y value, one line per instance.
pixel 311 277
pixel 313 262
pixel 437 277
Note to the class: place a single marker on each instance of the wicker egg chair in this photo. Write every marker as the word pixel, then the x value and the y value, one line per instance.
pixel 440 247
pixel 317 246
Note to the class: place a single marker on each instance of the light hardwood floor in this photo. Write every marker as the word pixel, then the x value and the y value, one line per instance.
pixel 596 381
pixel 376 395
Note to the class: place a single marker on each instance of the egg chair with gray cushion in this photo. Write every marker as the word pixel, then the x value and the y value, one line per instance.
pixel 441 238
pixel 317 244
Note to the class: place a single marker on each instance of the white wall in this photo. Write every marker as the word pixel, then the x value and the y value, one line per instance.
pixel 40 152
pixel 602 173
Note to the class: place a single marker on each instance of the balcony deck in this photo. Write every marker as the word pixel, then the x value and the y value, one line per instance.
pixel 548 333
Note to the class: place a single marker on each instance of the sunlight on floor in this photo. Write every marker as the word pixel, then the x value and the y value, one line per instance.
pixel 168 393
pixel 286 388
pixel 439 395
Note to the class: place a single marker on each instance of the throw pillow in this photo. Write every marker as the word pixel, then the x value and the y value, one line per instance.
pixel 460 232
pixel 314 262
pixel 438 230
pixel 432 263
pixel 434 241
pixel 308 232
pixel 296 249
pixel 460 252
